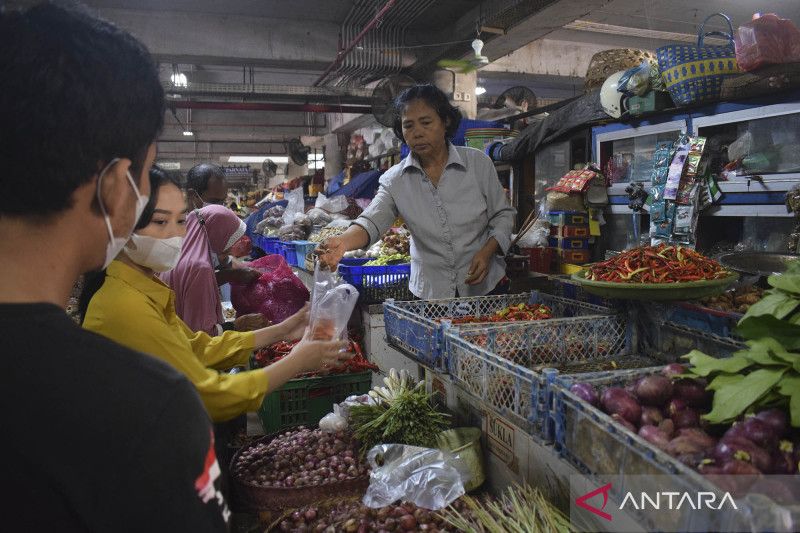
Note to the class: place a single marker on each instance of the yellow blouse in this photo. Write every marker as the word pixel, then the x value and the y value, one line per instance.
pixel 139 312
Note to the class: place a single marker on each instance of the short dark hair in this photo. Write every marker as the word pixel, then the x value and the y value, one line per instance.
pixel 158 178
pixel 198 177
pixel 434 97
pixel 75 92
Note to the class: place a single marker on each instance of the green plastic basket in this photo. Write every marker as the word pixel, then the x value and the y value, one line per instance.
pixel 690 290
pixel 305 401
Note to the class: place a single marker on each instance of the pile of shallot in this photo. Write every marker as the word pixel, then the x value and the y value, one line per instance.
pixel 300 458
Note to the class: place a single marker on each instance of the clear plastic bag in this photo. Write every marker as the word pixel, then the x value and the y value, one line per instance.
pixel 428 478
pixel 334 204
pixel 636 80
pixel 332 303
pixel 296 205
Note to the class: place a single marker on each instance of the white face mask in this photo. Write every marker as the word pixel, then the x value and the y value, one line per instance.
pixel 115 244
pixel 160 255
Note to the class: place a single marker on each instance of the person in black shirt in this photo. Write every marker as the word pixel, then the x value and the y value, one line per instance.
pixel 96 437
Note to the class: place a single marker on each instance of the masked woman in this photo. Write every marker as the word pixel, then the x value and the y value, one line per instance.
pixel 130 305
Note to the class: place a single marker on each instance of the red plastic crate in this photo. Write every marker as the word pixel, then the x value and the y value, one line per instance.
pixel 541 259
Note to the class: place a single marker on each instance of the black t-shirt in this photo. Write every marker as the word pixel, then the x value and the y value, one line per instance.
pixel 96 437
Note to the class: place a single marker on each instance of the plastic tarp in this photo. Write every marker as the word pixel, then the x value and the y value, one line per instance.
pixel 257 216
pixel 363 185
pixel 335 183
pixel 582 112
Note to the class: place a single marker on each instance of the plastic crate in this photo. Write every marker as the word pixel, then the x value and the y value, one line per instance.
pixel 268 244
pixel 286 250
pixel 598 446
pixel 510 366
pixel 301 250
pixel 378 283
pixel 415 327
pixel 305 401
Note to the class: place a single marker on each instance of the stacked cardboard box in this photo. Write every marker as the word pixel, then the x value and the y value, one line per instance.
pixel 569 236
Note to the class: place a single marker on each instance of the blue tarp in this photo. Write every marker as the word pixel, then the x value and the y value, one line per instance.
pixel 335 184
pixel 254 218
pixel 363 185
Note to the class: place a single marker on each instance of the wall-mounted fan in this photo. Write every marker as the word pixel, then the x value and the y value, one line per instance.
pixel 270 168
pixel 467 65
pixel 298 152
pixel 384 94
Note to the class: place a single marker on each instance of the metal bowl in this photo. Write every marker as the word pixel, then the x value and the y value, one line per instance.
pixel 757 263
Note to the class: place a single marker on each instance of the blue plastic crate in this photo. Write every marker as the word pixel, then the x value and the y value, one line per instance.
pixel 301 250
pixel 378 283
pixel 354 261
pixel 598 446
pixel 484 359
pixel 416 327
pixel 287 251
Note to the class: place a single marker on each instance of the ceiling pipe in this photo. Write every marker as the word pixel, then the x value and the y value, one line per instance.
pixel 261 106
pixel 341 54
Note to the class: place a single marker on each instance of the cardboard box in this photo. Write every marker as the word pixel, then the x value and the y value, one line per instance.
pixel 570 231
pixel 568 218
pixel 575 257
pixel 569 243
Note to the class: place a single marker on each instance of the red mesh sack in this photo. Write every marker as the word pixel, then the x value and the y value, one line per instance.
pixel 767 40
pixel 277 294
pixel 242 247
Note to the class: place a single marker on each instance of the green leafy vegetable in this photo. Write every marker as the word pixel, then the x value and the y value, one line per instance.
pixel 731 401
pixel 775 303
pixel 704 364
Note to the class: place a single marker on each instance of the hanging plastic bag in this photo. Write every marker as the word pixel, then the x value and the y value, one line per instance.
pixel 296 205
pixel 334 204
pixel 767 39
pixel 332 303
pixel 428 478
pixel 277 294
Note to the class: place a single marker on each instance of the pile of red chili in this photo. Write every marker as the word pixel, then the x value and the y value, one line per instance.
pixel 514 313
pixel 657 264
pixel 275 352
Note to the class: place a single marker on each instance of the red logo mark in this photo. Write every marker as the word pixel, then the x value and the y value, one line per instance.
pixel 581 502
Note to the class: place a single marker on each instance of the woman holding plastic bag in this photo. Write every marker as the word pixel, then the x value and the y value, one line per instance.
pixel 134 308
pixel 210 231
pixel 450 198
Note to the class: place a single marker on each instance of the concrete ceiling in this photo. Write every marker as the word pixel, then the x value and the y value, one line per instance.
pixel 260 44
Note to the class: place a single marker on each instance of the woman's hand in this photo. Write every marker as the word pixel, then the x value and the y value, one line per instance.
pixel 331 251
pixel 294 327
pixel 250 322
pixel 315 356
pixel 479 268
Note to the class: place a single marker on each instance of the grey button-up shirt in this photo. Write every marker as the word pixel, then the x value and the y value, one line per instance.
pixel 449 224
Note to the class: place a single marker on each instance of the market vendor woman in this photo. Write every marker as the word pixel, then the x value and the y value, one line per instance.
pixel 450 198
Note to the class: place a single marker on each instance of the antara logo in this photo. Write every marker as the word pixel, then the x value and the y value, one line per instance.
pixel 662 500
pixel 581 502
pixel 702 500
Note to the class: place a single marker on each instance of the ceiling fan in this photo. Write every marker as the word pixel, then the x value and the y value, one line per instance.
pixel 464 66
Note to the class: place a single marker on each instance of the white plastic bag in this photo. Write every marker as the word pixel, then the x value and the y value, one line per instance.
pixel 335 204
pixel 428 478
pixel 296 205
pixel 332 303
pixel 333 422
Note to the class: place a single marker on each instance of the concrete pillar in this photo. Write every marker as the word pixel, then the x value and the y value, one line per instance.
pixel 464 94
pixel 333 156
